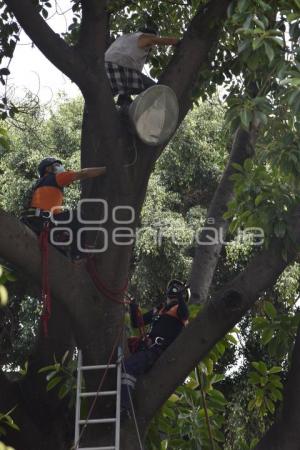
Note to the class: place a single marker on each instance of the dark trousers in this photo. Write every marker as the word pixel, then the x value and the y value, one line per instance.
pixel 37 224
pixel 134 366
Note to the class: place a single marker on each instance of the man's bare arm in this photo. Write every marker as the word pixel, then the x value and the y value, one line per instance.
pixel 146 40
pixel 90 172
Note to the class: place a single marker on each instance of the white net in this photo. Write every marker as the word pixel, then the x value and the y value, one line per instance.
pixel 154 114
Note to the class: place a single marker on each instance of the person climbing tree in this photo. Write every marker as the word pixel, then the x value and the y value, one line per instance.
pixel 45 199
pixel 166 322
pixel 125 59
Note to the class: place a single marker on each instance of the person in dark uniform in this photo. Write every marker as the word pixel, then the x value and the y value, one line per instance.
pixel 165 322
pixel 45 199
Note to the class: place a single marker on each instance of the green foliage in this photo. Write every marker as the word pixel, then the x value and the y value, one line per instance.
pixel 4 142
pixel 277 330
pixel 4 447
pixel 267 388
pixel 193 417
pixel 62 376
pixel 259 202
pixel 245 110
pixel 6 421
pixel 19 322
pixel 3 290
pixel 264 73
pixel 192 164
pixel 33 137
pixel 287 285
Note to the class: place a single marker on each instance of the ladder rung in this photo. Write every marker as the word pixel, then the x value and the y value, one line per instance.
pixel 109 366
pixel 97 421
pixel 94 394
pixel 96 448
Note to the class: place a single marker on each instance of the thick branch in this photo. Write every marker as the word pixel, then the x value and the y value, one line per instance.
pixel 215 229
pixel 92 38
pixel 50 44
pixel 285 433
pixel 215 320
pixel 69 284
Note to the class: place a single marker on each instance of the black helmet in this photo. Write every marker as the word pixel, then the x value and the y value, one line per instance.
pixel 45 163
pixel 175 287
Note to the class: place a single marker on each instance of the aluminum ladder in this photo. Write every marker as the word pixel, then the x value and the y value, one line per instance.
pixel 80 394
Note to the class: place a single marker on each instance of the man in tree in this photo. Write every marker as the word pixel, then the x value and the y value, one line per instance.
pixel 125 59
pixel 166 322
pixel 46 198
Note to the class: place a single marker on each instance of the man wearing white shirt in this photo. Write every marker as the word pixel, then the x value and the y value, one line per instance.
pixel 125 59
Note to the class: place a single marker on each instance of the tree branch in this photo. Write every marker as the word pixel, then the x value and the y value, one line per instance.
pixel 71 285
pixel 93 29
pixel 216 318
pixel 207 254
pixel 49 43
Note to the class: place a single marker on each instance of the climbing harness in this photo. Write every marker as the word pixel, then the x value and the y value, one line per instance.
pixel 46 294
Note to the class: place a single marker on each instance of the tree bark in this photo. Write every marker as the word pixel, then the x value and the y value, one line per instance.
pixel 217 317
pixel 214 232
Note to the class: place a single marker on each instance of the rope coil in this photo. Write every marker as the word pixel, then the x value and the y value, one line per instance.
pixel 111 294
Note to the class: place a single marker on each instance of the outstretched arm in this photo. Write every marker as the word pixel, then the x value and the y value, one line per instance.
pixel 146 40
pixel 90 172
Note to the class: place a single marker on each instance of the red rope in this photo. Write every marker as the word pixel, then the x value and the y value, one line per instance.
pixel 111 294
pixel 46 294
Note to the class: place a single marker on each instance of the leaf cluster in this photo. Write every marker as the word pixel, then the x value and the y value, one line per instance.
pixel 62 376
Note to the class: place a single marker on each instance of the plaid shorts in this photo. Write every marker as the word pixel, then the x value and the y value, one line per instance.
pixel 126 81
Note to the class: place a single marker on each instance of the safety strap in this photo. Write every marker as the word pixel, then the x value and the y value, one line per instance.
pixel 35 212
pixel 46 295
